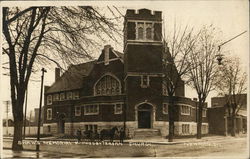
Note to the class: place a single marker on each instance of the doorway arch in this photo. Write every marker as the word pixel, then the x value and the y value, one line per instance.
pixel 145 115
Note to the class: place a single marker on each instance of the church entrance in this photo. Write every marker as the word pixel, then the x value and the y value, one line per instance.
pixel 144 116
pixel 61 124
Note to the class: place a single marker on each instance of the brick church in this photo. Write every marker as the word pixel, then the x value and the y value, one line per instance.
pixel 121 89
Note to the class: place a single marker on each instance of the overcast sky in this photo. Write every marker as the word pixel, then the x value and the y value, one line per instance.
pixel 231 17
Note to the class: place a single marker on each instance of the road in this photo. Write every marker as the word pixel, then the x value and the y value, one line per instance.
pixel 234 148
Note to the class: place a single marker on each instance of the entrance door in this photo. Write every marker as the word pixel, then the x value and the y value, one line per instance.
pixel 144 119
pixel 61 126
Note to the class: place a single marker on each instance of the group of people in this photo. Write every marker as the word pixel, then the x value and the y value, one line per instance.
pixel 89 134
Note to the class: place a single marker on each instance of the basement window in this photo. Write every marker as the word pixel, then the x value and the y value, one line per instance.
pixel 185 128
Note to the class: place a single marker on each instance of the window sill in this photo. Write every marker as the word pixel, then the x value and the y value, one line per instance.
pixel 91 113
pixel 185 114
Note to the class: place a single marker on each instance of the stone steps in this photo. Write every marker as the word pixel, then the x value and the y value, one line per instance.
pixel 146 133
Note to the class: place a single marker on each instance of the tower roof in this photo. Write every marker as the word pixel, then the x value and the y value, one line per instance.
pixel 143 14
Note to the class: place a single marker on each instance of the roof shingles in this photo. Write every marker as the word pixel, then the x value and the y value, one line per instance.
pixel 72 78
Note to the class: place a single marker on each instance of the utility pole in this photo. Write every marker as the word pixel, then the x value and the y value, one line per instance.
pixel 30 121
pixel 7 116
pixel 25 112
pixel 40 107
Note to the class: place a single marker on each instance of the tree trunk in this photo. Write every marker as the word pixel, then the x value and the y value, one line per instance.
pixel 18 124
pixel 17 110
pixel 233 125
pixel 171 120
pixel 199 122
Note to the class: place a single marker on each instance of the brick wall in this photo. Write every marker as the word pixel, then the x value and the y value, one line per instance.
pixel 216 120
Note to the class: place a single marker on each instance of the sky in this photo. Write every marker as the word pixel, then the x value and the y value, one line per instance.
pixel 231 17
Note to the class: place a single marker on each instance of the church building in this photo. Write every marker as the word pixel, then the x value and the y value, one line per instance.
pixel 121 89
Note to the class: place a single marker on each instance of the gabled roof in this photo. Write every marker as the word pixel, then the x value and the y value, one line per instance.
pixel 72 78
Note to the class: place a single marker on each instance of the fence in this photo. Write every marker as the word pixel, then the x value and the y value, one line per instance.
pixel 28 130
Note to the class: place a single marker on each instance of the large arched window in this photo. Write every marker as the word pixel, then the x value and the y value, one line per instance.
pixel 108 85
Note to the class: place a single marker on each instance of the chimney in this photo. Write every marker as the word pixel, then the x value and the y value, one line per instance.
pixel 57 73
pixel 106 54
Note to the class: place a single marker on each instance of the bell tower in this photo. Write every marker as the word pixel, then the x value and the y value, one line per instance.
pixel 143 49
pixel 143 41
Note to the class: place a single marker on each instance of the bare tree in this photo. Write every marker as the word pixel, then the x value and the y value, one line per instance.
pixel 231 83
pixel 203 71
pixel 35 35
pixel 177 48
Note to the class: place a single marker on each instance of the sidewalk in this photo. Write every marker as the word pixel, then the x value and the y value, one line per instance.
pixel 164 141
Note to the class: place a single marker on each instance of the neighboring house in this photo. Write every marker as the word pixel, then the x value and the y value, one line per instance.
pixel 123 90
pixel 219 119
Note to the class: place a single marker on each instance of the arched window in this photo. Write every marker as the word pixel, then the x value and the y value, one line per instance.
pixel 149 33
pixel 140 33
pixel 107 85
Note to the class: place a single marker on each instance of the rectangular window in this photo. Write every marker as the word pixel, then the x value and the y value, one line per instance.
pixel 118 108
pixel 49 99
pixel 204 113
pixel 91 109
pixel 56 97
pixel 185 128
pixel 76 95
pixel 49 113
pixel 69 95
pixel 165 108
pixel 62 96
pixel 144 31
pixel 185 110
pixel 77 111
pixel 144 81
